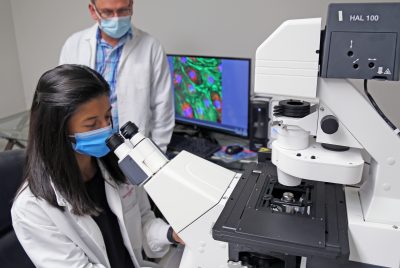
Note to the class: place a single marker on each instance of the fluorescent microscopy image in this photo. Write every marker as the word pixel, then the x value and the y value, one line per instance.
pixel 198 88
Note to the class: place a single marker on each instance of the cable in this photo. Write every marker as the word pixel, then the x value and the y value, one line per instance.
pixel 376 107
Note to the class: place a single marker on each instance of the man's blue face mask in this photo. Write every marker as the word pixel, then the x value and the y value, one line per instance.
pixel 115 27
pixel 93 142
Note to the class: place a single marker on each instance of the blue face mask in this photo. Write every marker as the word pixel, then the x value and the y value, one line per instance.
pixel 93 142
pixel 116 27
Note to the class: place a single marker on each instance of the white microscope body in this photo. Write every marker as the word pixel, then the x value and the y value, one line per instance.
pixel 189 191
pixel 287 68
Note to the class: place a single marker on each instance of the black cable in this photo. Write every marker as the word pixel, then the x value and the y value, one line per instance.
pixel 376 107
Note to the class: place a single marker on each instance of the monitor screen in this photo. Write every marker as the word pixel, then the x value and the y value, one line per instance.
pixel 212 92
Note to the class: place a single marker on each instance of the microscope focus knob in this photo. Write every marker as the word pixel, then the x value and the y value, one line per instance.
pixel 329 124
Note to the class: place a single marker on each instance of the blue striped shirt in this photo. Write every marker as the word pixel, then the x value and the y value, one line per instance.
pixel 107 59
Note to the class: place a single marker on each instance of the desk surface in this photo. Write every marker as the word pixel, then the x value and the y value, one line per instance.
pixel 233 162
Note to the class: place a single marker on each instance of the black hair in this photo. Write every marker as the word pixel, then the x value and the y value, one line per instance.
pixel 50 156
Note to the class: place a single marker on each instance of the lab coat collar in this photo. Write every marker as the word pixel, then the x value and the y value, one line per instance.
pixel 89 226
pixel 62 202
pixel 91 33
pixel 87 223
pixel 112 193
pixel 60 199
pixel 107 177
pixel 129 46
pixel 91 37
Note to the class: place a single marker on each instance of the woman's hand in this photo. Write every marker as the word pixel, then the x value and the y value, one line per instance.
pixel 177 238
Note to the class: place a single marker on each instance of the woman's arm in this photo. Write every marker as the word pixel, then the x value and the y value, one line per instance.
pixel 42 240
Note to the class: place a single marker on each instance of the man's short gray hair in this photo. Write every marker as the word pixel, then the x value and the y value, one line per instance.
pixel 94 1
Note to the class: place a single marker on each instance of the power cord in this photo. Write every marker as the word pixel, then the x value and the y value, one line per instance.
pixel 376 107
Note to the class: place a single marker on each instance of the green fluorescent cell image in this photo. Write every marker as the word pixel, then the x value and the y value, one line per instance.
pixel 198 88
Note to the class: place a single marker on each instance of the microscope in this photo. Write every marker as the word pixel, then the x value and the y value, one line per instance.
pixel 335 194
pixel 189 191
pixel 330 196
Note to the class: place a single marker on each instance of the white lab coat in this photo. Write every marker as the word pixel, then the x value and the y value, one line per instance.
pixel 54 238
pixel 144 87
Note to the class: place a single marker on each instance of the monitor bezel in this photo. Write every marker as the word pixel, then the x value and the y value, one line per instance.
pixel 207 127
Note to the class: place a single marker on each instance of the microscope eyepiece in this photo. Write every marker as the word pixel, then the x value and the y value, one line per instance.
pixel 129 129
pixel 114 141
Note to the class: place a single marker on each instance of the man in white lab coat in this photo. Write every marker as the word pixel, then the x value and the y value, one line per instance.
pixel 132 62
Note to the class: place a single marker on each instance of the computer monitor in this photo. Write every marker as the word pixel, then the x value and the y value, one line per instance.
pixel 212 92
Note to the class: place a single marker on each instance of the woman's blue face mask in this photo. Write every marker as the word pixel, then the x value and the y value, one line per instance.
pixel 93 142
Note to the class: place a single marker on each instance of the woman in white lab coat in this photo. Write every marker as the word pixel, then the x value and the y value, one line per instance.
pixel 75 208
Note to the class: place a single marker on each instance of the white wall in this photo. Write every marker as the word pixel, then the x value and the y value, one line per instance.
pixel 208 27
pixel 11 92
pixel 41 27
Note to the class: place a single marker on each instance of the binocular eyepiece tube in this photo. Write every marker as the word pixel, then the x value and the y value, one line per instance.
pixel 141 159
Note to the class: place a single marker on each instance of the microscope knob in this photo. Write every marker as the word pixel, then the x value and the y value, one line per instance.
pixel 329 124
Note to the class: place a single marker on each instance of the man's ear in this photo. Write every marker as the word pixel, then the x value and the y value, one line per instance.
pixel 92 12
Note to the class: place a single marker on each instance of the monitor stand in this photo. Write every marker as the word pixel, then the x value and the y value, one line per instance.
pixel 194 131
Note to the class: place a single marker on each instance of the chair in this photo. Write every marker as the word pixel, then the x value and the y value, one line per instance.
pixel 11 170
pixel 14 129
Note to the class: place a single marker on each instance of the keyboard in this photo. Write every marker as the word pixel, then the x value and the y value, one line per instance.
pixel 202 147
